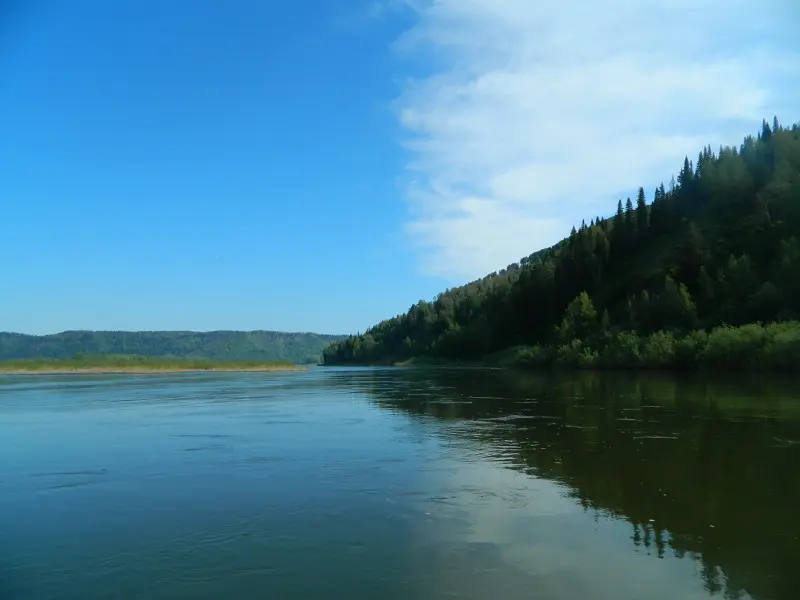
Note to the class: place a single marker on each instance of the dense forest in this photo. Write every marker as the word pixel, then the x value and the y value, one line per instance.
pixel 707 273
pixel 298 348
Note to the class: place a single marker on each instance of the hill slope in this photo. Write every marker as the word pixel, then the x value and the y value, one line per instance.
pixel 214 345
pixel 719 245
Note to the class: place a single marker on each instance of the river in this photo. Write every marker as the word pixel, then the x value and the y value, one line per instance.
pixel 399 484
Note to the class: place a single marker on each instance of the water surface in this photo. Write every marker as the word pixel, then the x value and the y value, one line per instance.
pixel 398 483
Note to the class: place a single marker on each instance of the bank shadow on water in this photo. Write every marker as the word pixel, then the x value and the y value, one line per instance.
pixel 702 467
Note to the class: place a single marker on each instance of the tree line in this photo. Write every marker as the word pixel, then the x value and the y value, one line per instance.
pixel 716 249
pixel 301 348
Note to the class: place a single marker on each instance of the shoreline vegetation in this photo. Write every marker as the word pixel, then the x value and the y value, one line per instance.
pixel 749 348
pixel 705 276
pixel 136 365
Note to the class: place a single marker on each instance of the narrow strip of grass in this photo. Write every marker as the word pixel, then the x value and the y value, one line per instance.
pixel 136 364
pixel 753 347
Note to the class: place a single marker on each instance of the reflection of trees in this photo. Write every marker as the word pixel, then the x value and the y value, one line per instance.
pixel 698 468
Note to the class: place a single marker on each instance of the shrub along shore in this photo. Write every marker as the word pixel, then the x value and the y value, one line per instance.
pixel 136 364
pixel 753 347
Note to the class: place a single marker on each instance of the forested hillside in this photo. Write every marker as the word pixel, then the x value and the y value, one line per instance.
pixel 215 345
pixel 670 282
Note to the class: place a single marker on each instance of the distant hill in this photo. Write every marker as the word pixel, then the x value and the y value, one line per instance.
pixel 299 348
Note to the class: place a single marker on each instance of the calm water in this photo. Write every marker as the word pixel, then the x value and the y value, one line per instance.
pixel 398 484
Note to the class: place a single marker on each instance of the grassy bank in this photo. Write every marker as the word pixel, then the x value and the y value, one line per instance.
pixel 747 348
pixel 754 348
pixel 136 364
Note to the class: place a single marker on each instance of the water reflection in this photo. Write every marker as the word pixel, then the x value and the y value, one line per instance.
pixel 697 467
pixel 398 484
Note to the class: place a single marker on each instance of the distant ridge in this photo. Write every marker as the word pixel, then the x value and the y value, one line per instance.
pixel 299 348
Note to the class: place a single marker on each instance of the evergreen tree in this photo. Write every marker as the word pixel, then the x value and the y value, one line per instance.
pixel 705 292
pixel 725 233
pixel 692 255
pixel 642 213
pixel 766 132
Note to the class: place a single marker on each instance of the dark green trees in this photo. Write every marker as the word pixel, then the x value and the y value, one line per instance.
pixel 718 246
pixel 580 320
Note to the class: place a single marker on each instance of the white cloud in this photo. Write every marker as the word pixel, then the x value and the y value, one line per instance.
pixel 534 115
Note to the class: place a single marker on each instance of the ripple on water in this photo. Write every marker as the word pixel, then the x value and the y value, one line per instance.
pixel 341 480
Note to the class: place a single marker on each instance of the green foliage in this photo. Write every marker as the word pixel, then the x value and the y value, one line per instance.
pixel 622 351
pixel 576 353
pixel 658 350
pixel 81 362
pixel 580 320
pixel 673 307
pixel 716 247
pixel 533 356
pixel 751 347
pixel 689 349
pixel 736 348
pixel 298 348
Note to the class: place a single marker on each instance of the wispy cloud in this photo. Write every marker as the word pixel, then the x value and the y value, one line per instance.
pixel 532 115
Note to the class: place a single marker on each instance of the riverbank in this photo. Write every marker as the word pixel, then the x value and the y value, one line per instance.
pixel 136 366
pixel 747 348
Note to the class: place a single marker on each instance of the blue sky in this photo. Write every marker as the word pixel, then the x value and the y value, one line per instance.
pixel 319 165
